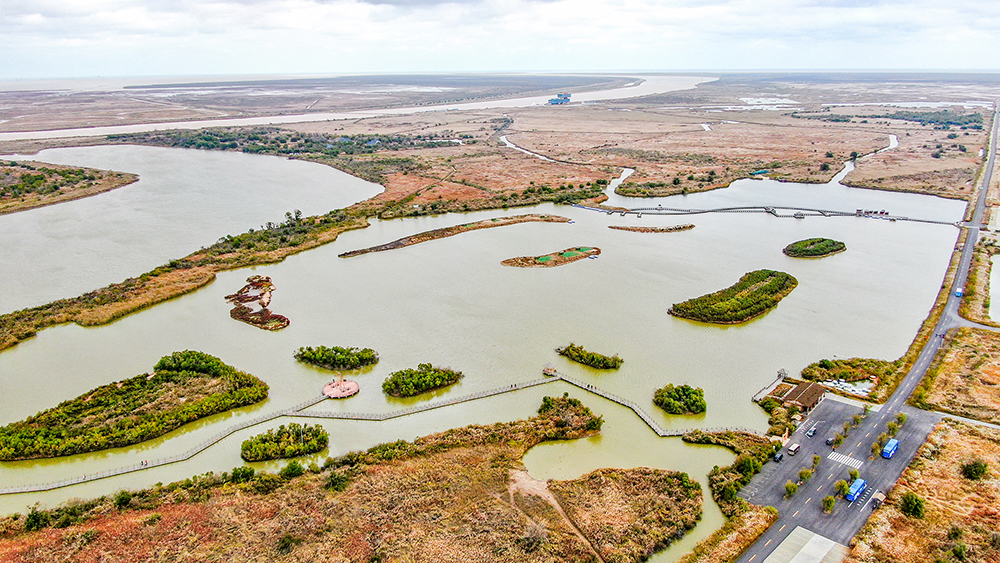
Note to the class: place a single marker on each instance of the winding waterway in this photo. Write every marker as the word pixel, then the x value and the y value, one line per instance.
pixel 449 302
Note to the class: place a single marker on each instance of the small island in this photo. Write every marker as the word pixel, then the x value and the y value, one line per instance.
pixel 457 229
pixel 410 382
pixel 337 358
pixel 670 229
pixel 258 291
pixel 580 355
pixel 285 442
pixel 756 293
pixel 26 185
pixel 554 259
pixel 814 248
pixel 681 399
pixel 184 387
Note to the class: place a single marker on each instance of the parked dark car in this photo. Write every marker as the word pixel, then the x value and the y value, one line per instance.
pixel 779 456
pixel 829 441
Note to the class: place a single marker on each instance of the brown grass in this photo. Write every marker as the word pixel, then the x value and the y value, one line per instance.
pixel 965 377
pixel 731 540
pixel 952 501
pixel 553 259
pixel 975 304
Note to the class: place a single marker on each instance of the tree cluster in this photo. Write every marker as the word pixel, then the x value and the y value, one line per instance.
pixel 580 355
pixel 41 181
pixel 754 294
pixel 337 357
pixel 184 387
pixel 680 399
pixel 285 442
pixel 410 382
pixel 814 247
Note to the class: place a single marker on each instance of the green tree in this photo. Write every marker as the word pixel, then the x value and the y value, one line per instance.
pixel 838 440
pixel 856 420
pixel 805 474
pixel 828 503
pixel 901 418
pixel 847 428
pixel 892 427
pixel 790 489
pixel 866 409
pixel 911 505
pixel 876 448
pixel 816 460
pixel 292 470
pixel 841 487
pixel 854 474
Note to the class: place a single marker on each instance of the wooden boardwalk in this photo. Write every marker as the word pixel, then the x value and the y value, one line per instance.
pixel 299 410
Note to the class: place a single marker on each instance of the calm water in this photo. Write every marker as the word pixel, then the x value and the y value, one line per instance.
pixel 450 302
pixel 184 200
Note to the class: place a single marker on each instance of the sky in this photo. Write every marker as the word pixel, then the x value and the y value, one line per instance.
pixel 91 38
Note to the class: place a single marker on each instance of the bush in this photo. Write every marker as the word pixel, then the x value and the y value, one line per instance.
pixel 241 474
pixel 682 399
pixel 911 505
pixel 292 470
pixel 828 503
pixel 266 483
pixel 36 520
pixel 336 357
pixel 123 499
pixel 580 355
pixel 410 382
pixel 337 481
pixel 841 487
pixel 287 543
pixel 974 470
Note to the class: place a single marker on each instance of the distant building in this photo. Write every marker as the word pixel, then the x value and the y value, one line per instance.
pixel 559 100
pixel 805 396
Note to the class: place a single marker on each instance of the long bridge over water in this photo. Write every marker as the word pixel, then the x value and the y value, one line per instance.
pixel 775 210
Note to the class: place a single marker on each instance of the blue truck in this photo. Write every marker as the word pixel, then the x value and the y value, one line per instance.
pixel 857 487
pixel 890 448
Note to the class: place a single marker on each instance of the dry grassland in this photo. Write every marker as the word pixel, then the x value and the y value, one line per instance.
pixel 975 304
pixel 957 511
pixel 965 377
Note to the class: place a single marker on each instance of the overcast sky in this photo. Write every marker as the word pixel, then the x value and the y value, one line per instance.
pixel 74 38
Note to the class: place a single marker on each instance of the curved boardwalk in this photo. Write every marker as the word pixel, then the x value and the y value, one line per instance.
pixel 299 410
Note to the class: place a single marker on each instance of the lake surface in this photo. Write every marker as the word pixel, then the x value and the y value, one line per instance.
pixel 184 200
pixel 449 302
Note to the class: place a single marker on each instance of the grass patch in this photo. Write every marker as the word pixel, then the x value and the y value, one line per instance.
pixel 814 248
pixel 593 359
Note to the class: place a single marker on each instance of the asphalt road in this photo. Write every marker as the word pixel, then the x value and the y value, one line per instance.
pixel 805 507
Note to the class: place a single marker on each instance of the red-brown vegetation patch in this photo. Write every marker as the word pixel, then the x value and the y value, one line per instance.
pixel 965 377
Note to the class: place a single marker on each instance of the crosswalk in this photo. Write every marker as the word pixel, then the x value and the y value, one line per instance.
pixel 843 459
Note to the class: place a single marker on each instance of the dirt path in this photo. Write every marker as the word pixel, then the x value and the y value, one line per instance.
pixel 521 482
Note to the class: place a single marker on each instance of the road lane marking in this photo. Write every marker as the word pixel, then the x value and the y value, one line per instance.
pixel 796 514
pixel 807 501
pixel 782 527
pixel 768 542
pixel 752 558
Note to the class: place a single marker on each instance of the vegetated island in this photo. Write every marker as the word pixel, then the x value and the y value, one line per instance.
pixel 593 359
pixel 680 399
pixel 27 185
pixel 457 229
pixel 637 229
pixel 337 358
pixel 554 259
pixel 183 387
pixel 257 290
pixel 456 484
pixel 410 382
pixel 756 293
pixel 814 248
pixel 284 442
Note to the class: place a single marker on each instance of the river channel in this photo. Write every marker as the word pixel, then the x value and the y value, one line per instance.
pixel 449 302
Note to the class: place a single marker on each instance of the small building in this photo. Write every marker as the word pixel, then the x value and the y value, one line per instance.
pixel 560 99
pixel 805 396
pixel 549 370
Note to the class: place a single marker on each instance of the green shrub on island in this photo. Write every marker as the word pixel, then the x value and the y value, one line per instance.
pixel 285 442
pixel 851 369
pixel 756 293
pixel 592 359
pixel 337 357
pixel 183 387
pixel 680 399
pixel 814 248
pixel 410 382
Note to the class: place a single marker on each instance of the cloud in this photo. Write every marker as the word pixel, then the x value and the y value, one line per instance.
pixel 128 37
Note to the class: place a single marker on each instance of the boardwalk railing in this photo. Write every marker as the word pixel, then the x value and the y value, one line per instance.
pixel 299 410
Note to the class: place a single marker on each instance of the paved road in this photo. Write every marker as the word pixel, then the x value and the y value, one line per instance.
pixel 804 508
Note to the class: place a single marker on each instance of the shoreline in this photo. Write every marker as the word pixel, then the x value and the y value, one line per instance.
pixel 110 180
